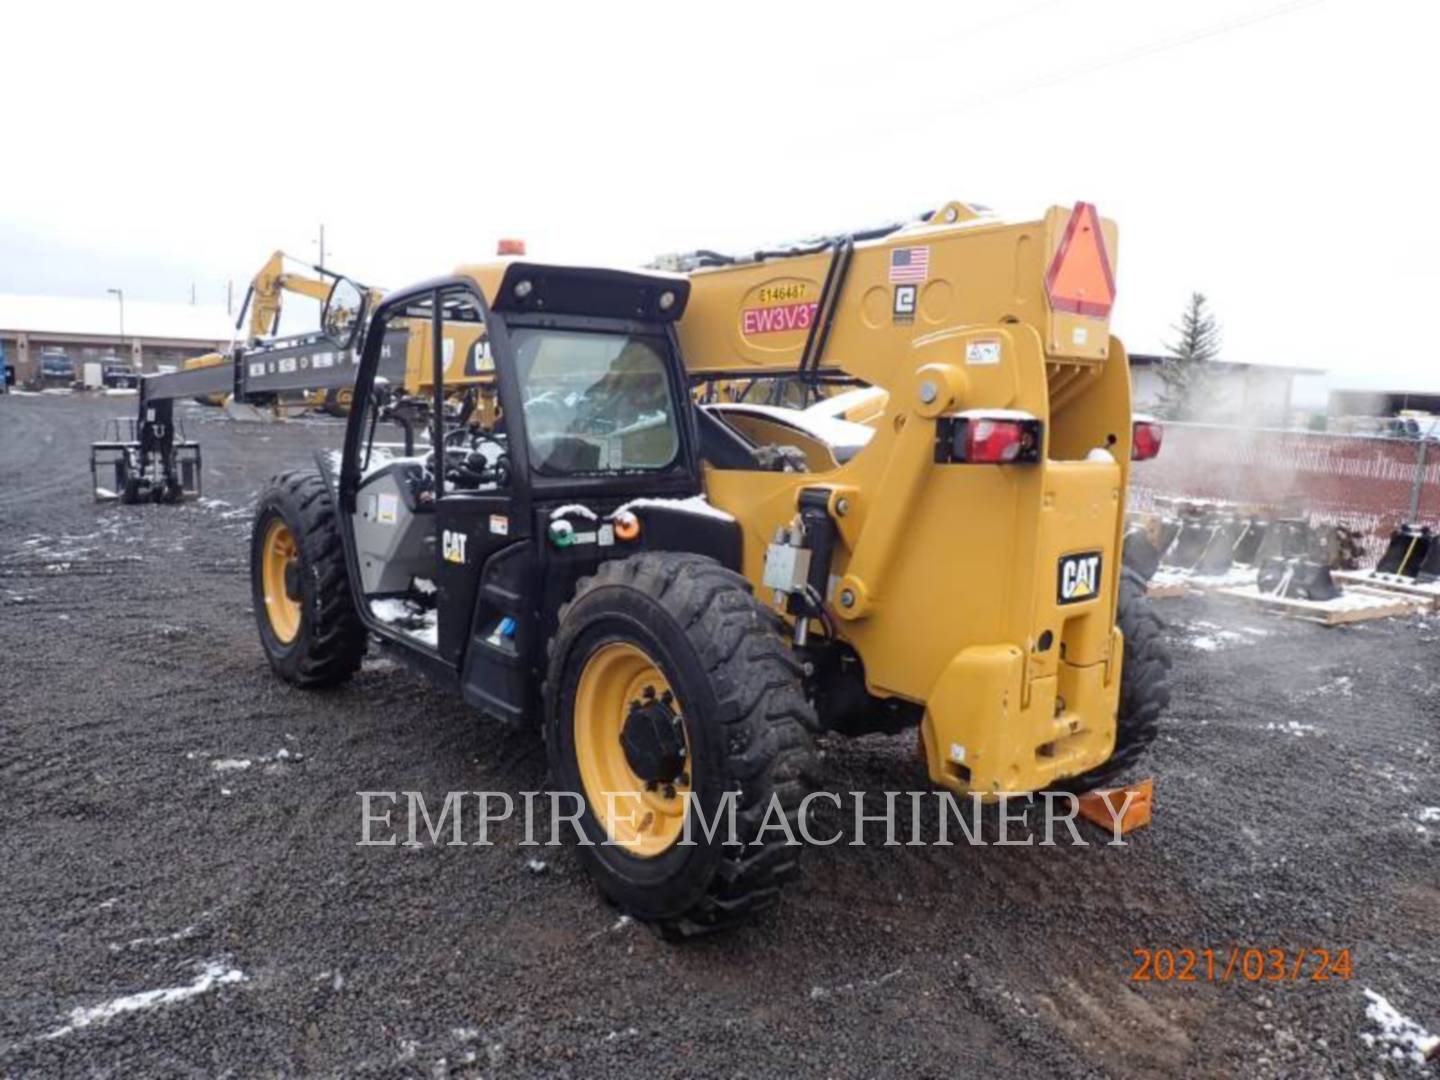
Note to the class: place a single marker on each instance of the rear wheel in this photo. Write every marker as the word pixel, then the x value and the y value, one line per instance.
pixel 301 591
pixel 338 399
pixel 670 691
pixel 1144 685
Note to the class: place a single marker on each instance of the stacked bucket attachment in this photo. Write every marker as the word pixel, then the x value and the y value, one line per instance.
pixel 1429 570
pixel 1296 579
pixel 1292 558
pixel 1336 546
pixel 1204 542
pixel 1411 553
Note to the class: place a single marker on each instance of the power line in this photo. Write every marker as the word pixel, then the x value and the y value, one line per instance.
pixel 1137 53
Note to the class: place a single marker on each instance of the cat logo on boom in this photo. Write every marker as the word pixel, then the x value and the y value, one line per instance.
pixel 1079 577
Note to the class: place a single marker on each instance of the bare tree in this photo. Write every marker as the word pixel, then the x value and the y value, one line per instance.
pixel 1185 374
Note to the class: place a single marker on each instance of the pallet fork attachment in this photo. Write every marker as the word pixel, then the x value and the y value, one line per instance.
pixel 155 464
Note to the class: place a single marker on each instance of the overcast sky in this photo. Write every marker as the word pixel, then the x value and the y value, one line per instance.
pixel 1277 155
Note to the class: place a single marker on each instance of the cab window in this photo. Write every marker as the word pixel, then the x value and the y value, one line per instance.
pixel 596 402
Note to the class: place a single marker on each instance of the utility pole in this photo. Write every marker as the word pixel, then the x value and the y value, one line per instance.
pixel 119 294
pixel 1414 517
pixel 192 294
pixel 230 297
pixel 321 262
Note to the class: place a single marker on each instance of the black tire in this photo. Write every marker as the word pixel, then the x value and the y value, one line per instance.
pixel 1139 554
pixel 337 401
pixel 1144 686
pixel 331 640
pixel 745 715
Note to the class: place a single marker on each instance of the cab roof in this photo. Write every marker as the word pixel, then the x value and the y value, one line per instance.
pixel 513 285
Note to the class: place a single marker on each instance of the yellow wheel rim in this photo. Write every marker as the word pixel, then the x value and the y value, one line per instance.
pixel 644 818
pixel 278 554
pixel 343 398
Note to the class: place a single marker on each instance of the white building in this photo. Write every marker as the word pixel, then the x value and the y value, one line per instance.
pixel 86 328
pixel 1241 392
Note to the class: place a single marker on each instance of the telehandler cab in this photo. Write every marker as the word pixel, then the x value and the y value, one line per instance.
pixel 684 595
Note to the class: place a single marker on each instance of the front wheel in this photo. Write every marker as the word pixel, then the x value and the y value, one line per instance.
pixel 298 581
pixel 670 694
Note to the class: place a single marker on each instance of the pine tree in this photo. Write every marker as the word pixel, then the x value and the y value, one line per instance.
pixel 1186 372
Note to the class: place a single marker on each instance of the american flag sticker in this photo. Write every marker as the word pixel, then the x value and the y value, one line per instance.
pixel 909 265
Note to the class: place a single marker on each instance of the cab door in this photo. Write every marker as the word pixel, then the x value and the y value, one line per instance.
pixel 475 488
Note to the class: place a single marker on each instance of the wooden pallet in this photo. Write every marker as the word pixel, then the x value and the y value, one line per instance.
pixel 1427 593
pixel 1356 604
pixel 1171 582
pixel 1167 583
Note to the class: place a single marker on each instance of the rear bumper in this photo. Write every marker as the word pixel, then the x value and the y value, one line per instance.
pixel 990 729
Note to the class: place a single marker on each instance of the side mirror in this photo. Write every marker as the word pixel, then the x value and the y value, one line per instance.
pixel 344 308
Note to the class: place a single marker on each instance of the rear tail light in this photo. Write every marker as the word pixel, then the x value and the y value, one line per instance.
pixel 1147 434
pixel 978 438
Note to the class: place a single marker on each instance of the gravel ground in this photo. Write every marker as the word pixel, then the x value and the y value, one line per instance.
pixel 1293 778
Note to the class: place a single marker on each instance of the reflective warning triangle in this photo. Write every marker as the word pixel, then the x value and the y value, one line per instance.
pixel 1080 279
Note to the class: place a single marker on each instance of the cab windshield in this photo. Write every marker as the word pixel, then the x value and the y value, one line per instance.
pixel 596 402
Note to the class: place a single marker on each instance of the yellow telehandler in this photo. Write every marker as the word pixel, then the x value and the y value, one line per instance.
pixel 683 594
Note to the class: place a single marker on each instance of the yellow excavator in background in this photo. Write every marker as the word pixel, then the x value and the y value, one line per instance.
pixel 260 318
pixel 264 302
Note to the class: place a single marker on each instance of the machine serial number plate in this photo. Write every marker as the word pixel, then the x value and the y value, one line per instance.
pixel 1079 577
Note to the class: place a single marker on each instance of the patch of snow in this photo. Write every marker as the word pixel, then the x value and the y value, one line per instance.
pixel 1343 685
pixel 818 993
pixel 1403 1037
pixel 841 403
pixel 536 866
pixel 424 586
pixel 422 624
pixel 1429 813
pixel 836 433
pixel 214 974
pixel 1294 727
pixel 574 510
pixel 1100 454
pixel 230 764
pixel 994 414
pixel 695 504
pixel 144 942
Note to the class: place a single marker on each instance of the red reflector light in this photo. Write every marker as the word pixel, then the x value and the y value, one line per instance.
pixel 987 440
pixel 1146 439
pixel 511 247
